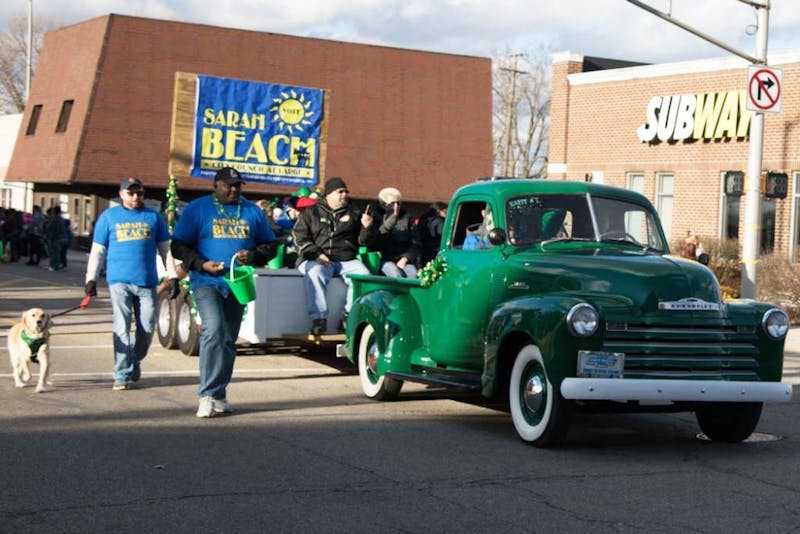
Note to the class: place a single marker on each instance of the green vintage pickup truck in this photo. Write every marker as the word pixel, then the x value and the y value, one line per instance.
pixel 563 296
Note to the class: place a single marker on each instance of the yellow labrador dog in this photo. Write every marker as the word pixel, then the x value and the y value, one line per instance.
pixel 28 342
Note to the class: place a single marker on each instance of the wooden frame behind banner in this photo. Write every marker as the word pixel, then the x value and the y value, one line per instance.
pixel 181 141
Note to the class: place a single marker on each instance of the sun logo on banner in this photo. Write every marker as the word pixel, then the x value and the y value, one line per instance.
pixel 291 111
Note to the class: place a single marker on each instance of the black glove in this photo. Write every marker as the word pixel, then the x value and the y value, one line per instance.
pixel 91 288
pixel 249 257
pixel 173 288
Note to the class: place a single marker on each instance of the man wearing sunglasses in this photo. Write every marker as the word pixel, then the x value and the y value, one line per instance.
pixel 128 236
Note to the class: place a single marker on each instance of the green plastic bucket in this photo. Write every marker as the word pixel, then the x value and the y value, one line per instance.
pixel 371 259
pixel 277 261
pixel 242 283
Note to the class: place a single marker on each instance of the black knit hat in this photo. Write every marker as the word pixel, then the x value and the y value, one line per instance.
pixel 332 184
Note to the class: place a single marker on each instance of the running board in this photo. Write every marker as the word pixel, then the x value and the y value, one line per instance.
pixel 472 382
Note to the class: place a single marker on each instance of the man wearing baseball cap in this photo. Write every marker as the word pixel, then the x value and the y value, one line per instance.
pixel 212 232
pixel 128 236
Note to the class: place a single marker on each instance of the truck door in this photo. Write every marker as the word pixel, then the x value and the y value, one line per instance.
pixel 459 303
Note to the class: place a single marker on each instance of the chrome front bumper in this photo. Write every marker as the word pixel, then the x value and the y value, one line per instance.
pixel 634 389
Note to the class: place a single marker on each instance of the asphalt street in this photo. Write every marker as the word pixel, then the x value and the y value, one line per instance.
pixel 305 451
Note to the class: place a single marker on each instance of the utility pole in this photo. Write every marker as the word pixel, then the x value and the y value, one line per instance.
pixel 510 122
pixel 29 66
pixel 752 214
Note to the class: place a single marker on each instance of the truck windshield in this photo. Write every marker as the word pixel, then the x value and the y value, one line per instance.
pixel 536 218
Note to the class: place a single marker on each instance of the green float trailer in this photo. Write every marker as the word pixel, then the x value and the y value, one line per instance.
pixel 278 314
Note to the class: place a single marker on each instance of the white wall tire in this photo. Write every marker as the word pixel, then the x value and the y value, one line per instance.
pixel 374 385
pixel 539 413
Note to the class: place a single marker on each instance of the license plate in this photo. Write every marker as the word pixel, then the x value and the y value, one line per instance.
pixel 595 364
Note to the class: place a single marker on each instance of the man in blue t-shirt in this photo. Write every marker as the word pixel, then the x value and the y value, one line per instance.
pixel 213 232
pixel 128 236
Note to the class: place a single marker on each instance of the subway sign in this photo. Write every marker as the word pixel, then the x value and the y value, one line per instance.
pixel 722 115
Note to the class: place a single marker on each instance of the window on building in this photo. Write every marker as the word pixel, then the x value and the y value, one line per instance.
pixel 665 182
pixel 596 177
pixel 636 182
pixel 63 118
pixel 5 197
pixel 34 120
pixel 87 217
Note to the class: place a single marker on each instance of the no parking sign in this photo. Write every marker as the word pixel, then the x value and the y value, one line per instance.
pixel 764 88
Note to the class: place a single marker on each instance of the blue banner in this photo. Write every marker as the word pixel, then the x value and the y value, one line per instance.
pixel 270 133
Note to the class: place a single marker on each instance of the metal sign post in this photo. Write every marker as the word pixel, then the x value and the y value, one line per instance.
pixel 752 210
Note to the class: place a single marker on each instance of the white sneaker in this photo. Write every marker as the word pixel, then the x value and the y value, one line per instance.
pixel 206 407
pixel 222 406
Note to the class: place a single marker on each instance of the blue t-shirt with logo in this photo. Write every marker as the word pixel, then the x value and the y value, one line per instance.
pixel 215 231
pixel 130 238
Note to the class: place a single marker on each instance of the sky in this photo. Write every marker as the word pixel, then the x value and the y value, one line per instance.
pixel 606 28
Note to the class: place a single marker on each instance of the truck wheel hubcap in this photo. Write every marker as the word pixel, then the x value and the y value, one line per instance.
pixel 534 393
pixel 372 358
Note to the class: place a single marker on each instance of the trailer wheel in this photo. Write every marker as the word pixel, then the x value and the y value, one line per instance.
pixel 186 331
pixel 167 319
pixel 375 386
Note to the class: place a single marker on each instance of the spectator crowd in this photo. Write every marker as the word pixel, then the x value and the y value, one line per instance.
pixel 35 235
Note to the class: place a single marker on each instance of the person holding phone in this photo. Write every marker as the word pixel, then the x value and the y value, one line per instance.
pixel 397 237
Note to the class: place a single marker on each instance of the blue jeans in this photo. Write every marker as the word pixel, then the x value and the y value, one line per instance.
pixel 390 269
pixel 220 318
pixel 131 303
pixel 54 251
pixel 317 278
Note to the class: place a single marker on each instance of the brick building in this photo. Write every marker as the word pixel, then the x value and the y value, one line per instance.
pixel 101 103
pixel 600 130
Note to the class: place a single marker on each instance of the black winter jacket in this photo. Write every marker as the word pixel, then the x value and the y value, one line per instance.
pixel 397 237
pixel 337 234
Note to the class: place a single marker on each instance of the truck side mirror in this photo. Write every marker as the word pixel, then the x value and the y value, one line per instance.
pixel 497 236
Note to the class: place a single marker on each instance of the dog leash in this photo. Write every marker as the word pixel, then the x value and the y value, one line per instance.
pixel 82 306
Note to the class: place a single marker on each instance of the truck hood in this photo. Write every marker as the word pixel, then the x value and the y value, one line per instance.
pixel 625 284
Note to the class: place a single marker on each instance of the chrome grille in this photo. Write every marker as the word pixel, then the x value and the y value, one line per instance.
pixel 685 351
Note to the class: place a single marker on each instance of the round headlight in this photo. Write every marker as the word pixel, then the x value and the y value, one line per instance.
pixel 582 320
pixel 776 323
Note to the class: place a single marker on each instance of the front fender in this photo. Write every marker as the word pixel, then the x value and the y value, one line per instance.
pixel 396 320
pixel 540 321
